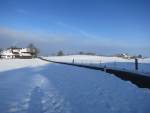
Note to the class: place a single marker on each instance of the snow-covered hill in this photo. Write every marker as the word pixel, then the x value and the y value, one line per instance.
pixel 87 59
pixel 94 59
pixel 113 62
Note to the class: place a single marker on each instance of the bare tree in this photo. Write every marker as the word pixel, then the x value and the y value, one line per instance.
pixel 81 53
pixel 139 56
pixel 34 49
pixel 0 51
pixel 60 53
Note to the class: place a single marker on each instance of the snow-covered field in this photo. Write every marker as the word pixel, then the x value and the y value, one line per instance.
pixel 93 59
pixel 36 86
pixel 113 62
pixel 10 64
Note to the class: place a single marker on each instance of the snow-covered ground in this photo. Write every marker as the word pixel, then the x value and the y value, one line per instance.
pixel 40 87
pixel 93 59
pixel 114 62
pixel 10 64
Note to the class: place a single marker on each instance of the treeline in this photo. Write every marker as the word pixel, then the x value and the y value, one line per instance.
pixel 62 53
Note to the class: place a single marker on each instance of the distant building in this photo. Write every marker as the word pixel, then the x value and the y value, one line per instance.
pixel 126 56
pixel 18 53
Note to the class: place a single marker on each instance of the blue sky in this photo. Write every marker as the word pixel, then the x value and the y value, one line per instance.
pixel 101 26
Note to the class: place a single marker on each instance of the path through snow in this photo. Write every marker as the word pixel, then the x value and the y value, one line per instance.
pixel 55 88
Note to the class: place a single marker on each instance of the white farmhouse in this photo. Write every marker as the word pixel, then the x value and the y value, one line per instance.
pixel 27 53
pixel 18 53
pixel 8 54
pixel 125 56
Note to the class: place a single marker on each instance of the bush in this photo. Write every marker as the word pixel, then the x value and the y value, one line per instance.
pixel 60 53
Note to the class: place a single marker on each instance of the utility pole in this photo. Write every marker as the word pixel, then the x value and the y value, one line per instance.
pixel 136 64
pixel 73 61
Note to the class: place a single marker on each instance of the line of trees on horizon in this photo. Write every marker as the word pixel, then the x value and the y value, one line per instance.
pixel 62 53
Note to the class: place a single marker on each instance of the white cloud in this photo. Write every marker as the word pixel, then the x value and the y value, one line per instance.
pixel 52 42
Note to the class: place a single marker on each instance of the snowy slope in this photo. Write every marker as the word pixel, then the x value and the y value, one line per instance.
pixel 56 88
pixel 10 64
pixel 88 59
pixel 114 62
pixel 93 59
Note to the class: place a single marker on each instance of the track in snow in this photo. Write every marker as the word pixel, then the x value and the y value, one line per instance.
pixel 64 89
pixel 37 95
